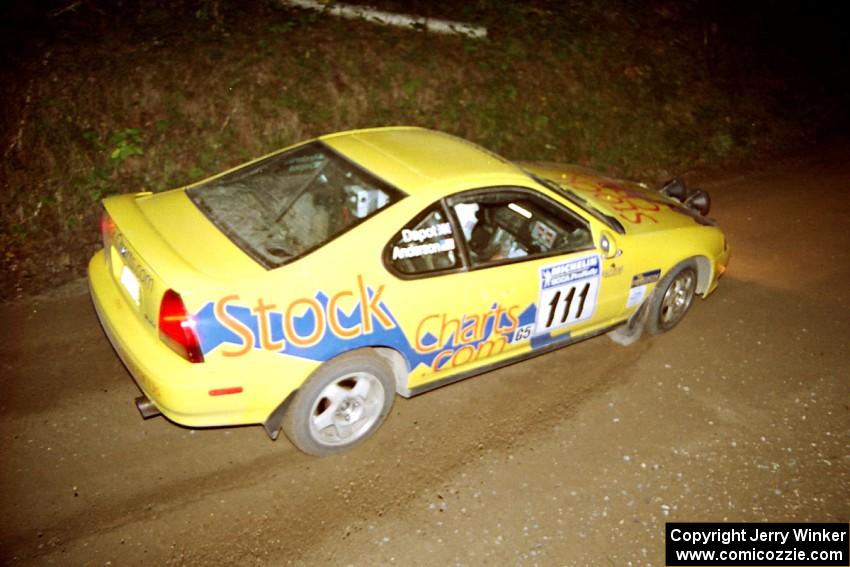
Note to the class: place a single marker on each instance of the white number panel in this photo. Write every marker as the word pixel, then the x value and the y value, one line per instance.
pixel 568 293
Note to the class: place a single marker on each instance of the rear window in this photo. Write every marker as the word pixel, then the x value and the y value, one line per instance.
pixel 285 206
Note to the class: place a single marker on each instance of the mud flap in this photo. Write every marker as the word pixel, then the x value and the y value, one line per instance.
pixel 630 332
pixel 273 422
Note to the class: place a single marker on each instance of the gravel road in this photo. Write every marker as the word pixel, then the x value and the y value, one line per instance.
pixel 579 457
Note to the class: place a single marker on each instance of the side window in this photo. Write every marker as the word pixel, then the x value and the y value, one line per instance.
pixel 427 244
pixel 503 226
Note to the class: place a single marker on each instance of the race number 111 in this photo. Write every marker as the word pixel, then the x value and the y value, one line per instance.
pixel 566 304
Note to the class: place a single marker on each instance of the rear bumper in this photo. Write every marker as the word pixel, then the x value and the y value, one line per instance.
pixel 178 388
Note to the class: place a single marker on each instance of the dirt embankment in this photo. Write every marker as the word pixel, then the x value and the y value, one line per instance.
pixel 114 97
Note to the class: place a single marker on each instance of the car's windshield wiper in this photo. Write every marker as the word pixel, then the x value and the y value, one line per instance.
pixel 580 201
pixel 558 188
pixel 567 191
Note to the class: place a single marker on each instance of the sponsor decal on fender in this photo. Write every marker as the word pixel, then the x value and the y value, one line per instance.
pixel 646 278
pixel 299 328
pixel 323 326
pixel 458 341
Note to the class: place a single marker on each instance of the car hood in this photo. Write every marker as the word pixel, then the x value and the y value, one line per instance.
pixel 636 207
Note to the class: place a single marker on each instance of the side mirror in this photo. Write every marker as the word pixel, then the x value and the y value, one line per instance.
pixel 699 201
pixel 676 189
pixel 608 245
pixel 695 199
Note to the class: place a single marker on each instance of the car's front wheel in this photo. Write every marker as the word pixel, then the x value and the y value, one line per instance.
pixel 341 404
pixel 672 298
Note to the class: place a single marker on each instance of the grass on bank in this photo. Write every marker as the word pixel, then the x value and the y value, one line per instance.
pixel 163 95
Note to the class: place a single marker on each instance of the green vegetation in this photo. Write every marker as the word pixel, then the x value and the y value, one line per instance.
pixel 153 95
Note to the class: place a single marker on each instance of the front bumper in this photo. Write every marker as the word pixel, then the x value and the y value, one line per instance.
pixel 721 261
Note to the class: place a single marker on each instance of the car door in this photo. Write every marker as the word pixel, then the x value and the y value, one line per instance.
pixel 454 319
pixel 547 249
pixel 491 274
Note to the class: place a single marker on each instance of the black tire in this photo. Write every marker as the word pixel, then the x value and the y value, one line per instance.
pixel 672 298
pixel 342 403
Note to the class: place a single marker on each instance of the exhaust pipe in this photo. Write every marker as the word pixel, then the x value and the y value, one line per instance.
pixel 146 407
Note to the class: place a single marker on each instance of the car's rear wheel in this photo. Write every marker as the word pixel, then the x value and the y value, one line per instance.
pixel 672 298
pixel 341 404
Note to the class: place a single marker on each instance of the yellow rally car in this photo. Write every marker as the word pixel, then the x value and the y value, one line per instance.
pixel 304 289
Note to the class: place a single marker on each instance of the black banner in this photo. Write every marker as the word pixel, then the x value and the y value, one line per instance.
pixel 761 544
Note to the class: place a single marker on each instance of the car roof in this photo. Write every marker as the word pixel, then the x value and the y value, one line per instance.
pixel 417 160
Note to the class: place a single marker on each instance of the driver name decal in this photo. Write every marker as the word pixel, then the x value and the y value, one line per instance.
pixel 416 236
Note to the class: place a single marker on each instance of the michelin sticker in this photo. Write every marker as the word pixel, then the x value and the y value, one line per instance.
pixel 636 296
pixel 646 278
pixel 415 236
pixel 568 292
pixel 639 285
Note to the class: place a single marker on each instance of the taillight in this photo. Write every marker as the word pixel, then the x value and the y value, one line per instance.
pixel 107 229
pixel 107 235
pixel 177 327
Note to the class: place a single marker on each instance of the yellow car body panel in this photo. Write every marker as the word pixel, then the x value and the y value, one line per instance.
pixel 194 239
pixel 638 208
pixel 417 160
pixel 263 331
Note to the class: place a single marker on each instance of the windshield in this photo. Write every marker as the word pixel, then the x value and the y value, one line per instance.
pixel 280 208
pixel 579 201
